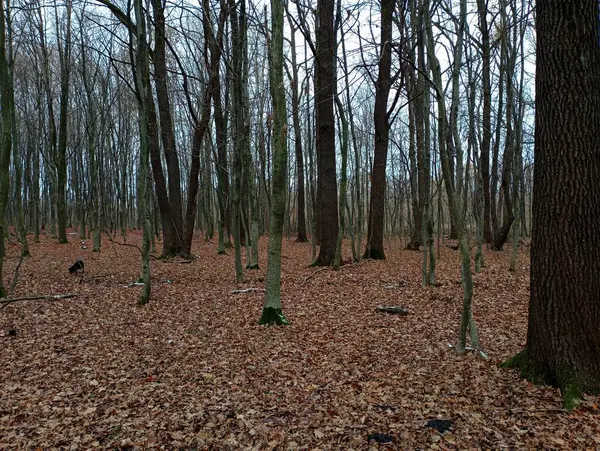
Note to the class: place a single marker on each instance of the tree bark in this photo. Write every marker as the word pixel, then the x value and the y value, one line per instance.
pixel 167 131
pixel 374 248
pixel 213 45
pixel 144 98
pixel 6 137
pixel 271 313
pixel 301 212
pixel 61 155
pixel 563 338
pixel 325 82
pixel 486 133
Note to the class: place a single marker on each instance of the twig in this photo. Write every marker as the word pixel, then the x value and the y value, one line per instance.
pixel 5 301
pixel 134 284
pixel 177 261
pixel 247 290
pixel 307 278
pixel 128 245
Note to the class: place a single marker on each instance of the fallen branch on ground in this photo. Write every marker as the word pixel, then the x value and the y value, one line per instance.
pixel 393 310
pixel 307 278
pixel 177 261
pixel 5 301
pixel 246 290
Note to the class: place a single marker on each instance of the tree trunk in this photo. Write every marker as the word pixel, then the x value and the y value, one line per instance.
pixel 467 322
pixel 486 132
pixel 374 248
pixel 214 44
pixel 17 161
pixel 237 72
pixel 271 313
pixel 61 156
pixel 301 211
pixel 416 128
pixel 6 137
pixel 325 82
pixel 563 338
pixel 167 131
pixel 222 170
pixel 144 97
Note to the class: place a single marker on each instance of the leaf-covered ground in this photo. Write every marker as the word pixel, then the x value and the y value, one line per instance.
pixel 193 370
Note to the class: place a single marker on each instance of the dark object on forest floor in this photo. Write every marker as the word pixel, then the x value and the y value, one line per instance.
pixel 380 438
pixel 77 267
pixel 440 425
pixel 393 310
pixel 12 332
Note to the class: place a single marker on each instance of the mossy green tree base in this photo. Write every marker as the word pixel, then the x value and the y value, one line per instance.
pixel 252 266
pixel 271 316
pixel 569 384
pixel 519 362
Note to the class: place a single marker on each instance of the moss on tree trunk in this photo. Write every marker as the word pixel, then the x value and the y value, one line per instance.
pixel 272 316
pixel 567 380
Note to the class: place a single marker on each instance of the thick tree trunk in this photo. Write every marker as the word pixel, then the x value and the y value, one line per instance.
pixel 325 82
pixel 167 130
pixel 374 247
pixel 171 242
pixel 563 339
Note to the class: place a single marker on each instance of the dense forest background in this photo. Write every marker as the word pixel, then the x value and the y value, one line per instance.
pixel 391 162
pixel 455 78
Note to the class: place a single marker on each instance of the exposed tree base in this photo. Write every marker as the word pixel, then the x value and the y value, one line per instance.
pixel 172 254
pixel 502 235
pixel 252 266
pixel 271 316
pixel 569 383
pixel 301 239
pixel 320 261
pixel 374 254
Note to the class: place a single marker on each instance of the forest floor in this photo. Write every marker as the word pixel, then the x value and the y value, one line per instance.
pixel 193 370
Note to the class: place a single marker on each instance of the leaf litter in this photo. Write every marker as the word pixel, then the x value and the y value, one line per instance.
pixel 193 370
